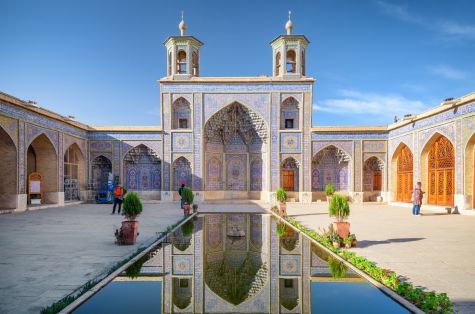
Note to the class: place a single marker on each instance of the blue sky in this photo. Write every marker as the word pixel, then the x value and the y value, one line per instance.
pixel 372 59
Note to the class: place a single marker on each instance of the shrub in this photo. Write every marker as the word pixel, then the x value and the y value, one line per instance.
pixel 187 228
pixel 339 208
pixel 337 268
pixel 281 195
pixel 329 189
pixel 132 206
pixel 187 195
pixel 281 228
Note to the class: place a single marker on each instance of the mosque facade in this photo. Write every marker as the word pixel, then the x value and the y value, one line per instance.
pixel 237 138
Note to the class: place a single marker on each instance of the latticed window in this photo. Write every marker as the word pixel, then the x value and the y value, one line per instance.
pixel 405 165
pixel 441 165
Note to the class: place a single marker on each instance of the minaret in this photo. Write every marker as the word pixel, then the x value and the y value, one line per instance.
pixel 289 53
pixel 183 54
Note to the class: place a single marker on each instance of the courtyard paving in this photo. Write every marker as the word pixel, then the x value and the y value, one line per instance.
pixel 433 251
pixel 48 253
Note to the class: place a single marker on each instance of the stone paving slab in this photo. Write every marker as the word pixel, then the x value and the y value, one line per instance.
pixel 432 251
pixel 46 254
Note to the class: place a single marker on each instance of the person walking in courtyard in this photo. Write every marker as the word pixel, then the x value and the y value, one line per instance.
pixel 118 198
pixel 417 195
pixel 182 203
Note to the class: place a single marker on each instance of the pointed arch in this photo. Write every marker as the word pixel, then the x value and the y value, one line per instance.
pixel 181 114
pixel 74 176
pixel 331 165
pixel 291 61
pixel 8 169
pixel 142 169
pixel 101 172
pixel 181 172
pixel 373 170
pixel 290 174
pixel 290 113
pixel 181 62
pixel 438 170
pixel 42 158
pixel 402 173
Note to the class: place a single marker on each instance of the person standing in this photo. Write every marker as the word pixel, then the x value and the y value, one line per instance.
pixel 182 203
pixel 417 195
pixel 118 198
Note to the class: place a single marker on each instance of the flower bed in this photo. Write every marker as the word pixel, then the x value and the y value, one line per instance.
pixel 427 301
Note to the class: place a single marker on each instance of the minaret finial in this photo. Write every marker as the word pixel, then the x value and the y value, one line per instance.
pixel 289 25
pixel 182 25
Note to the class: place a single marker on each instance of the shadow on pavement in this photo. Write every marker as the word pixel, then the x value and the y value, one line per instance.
pixel 366 243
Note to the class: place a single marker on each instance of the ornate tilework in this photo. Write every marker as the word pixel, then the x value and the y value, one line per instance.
pixel 181 173
pixel 374 146
pixel 358 166
pixel 214 172
pixel 142 169
pixel 256 173
pixel 182 264
pixel 257 102
pixel 206 87
pixel 198 173
pixel 346 146
pixel 32 131
pixel 274 166
pixel 290 142
pixel 81 143
pixel 290 265
pixel 446 130
pixel 459 160
pixel 348 135
pixel 236 170
pixel 116 161
pixel 11 127
pixel 154 136
pixel 100 146
pixel 407 139
pixel 21 157
pixel 182 142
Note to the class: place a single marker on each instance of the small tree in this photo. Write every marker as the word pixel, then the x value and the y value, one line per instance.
pixel 188 228
pixel 187 195
pixel 132 206
pixel 339 208
pixel 329 189
pixel 281 195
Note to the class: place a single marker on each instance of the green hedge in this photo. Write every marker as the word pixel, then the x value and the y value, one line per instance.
pixel 427 301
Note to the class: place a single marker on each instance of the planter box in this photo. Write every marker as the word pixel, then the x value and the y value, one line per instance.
pixel 129 231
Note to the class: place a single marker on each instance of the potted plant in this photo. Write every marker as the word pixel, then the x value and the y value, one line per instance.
pixel 195 208
pixel 282 198
pixel 348 241
pixel 329 191
pixel 340 209
pixel 188 228
pixel 275 209
pixel 353 240
pixel 131 208
pixel 187 196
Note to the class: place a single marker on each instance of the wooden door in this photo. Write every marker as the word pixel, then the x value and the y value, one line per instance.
pixel 441 165
pixel 288 180
pixel 404 175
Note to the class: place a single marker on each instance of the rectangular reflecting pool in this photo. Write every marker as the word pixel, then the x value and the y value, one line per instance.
pixel 239 263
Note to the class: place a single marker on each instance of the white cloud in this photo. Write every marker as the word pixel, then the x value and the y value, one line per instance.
pixel 450 28
pixel 448 72
pixel 354 102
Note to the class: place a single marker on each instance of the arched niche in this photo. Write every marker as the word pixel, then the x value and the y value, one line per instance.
pixel 181 173
pixel 101 172
pixel 373 178
pixel 42 158
pixel 402 174
pixel 331 165
pixel 8 169
pixel 289 114
pixel 469 177
pixel 74 176
pixel 142 169
pixel 437 171
pixel 181 114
